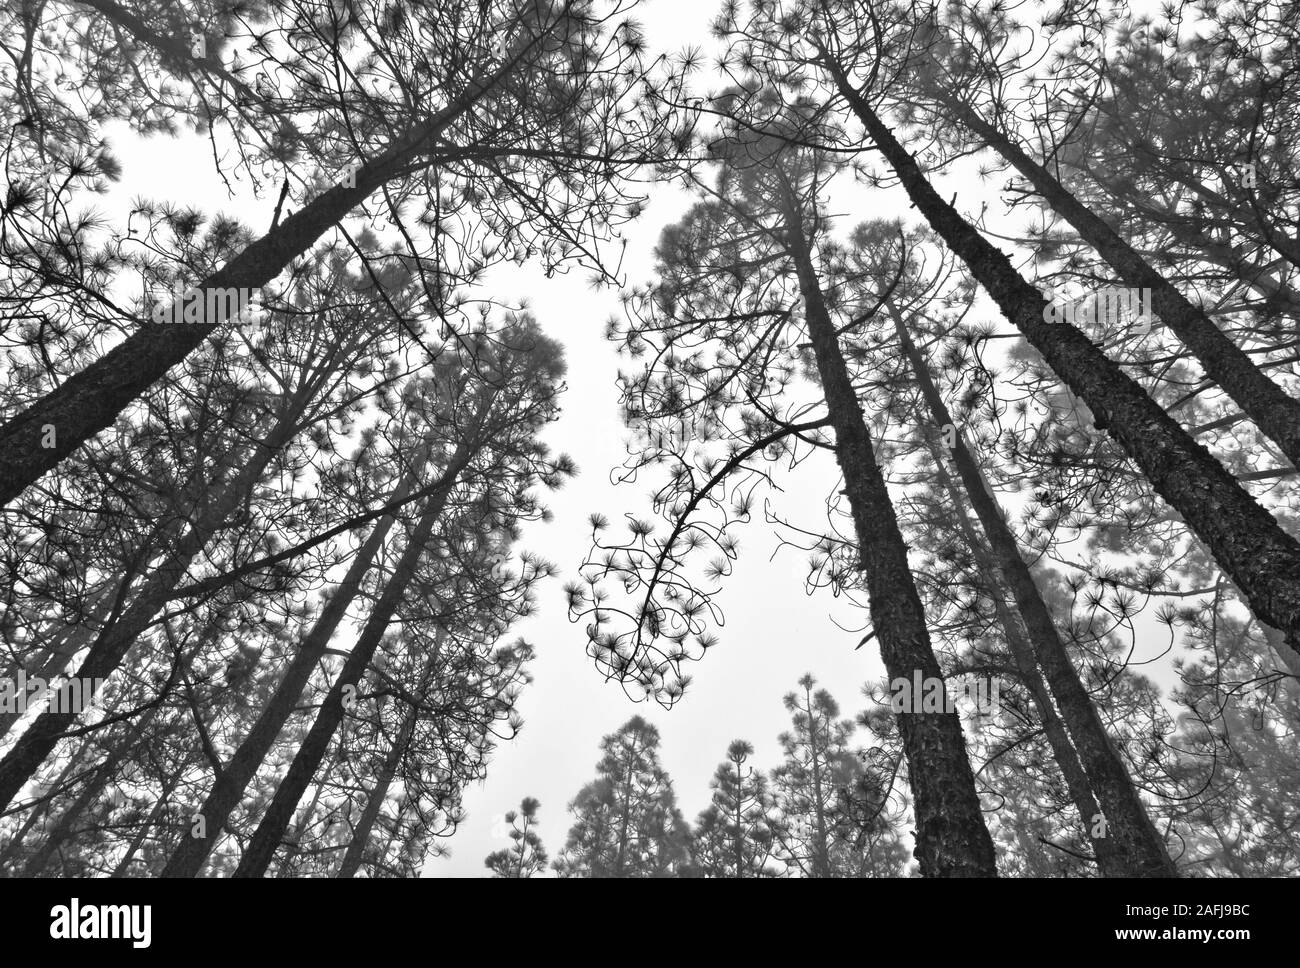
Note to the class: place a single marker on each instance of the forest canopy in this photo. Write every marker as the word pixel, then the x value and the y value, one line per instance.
pixel 980 311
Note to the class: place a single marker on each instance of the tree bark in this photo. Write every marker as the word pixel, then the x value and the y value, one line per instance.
pixel 952 839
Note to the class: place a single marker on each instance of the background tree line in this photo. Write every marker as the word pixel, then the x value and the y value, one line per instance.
pixel 828 809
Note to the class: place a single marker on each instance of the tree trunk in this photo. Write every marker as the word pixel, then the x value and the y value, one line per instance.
pixel 351 862
pixel 91 400
pixel 37 811
pixel 1275 412
pixel 150 822
pixel 63 829
pixel 375 800
pixel 71 639
pixel 294 840
pixel 951 838
pixel 1256 553
pixel 1022 653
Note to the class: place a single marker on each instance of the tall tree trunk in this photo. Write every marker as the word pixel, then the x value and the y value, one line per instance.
pixel 71 639
pixel 150 822
pixel 952 839
pixel 1275 412
pixel 294 840
pixel 1247 541
pixel 229 784
pixel 1141 848
pixel 1262 278
pixel 1022 653
pixel 270 832
pixel 36 812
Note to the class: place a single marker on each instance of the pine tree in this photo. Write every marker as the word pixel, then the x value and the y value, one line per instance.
pixel 527 857
pixel 814 831
pixel 734 834
pixel 626 821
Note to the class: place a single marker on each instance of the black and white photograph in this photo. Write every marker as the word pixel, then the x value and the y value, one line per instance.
pixel 650 439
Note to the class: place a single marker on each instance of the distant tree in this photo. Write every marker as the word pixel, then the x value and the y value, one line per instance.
pixel 733 835
pixel 527 857
pixel 627 823
pixel 814 828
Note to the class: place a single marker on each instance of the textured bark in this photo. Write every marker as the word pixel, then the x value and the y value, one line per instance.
pixel 1261 558
pixel 1139 850
pixel 1275 412
pixel 952 839
pixel 229 785
pixel 270 832
pixel 88 402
